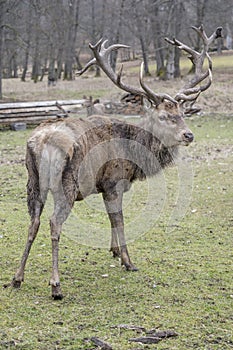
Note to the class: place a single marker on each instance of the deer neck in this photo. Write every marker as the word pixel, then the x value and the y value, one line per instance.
pixel 152 154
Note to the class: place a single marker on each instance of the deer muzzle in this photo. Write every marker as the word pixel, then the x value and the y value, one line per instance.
pixel 188 137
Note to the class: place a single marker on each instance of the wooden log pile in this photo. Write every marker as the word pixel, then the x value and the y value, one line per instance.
pixel 36 112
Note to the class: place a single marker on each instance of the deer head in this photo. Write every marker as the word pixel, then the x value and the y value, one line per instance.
pixel 165 115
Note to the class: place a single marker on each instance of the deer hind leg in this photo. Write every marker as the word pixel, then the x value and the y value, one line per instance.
pixel 61 211
pixel 113 206
pixel 37 208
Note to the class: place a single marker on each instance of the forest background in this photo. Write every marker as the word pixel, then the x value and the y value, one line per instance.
pixel 40 37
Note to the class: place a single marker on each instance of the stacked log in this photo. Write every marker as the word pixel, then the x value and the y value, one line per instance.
pixel 36 112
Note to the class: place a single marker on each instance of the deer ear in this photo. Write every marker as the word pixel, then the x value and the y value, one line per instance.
pixel 147 104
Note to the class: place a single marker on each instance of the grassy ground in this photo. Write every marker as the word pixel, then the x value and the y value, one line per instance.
pixel 185 277
pixel 184 282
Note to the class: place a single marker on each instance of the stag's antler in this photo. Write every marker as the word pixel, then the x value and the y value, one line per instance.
pixel 101 58
pixel 191 91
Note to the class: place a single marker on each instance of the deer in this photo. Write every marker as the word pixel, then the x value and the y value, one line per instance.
pixel 74 157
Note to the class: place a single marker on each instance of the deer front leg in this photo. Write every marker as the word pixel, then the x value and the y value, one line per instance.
pixel 114 247
pixel 117 227
pixel 113 206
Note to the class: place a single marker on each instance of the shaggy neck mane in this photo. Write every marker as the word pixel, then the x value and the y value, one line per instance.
pixel 147 150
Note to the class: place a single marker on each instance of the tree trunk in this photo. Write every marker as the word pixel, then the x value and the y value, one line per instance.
pixel 71 40
pixel 219 45
pixel 173 63
pixel 228 37
pixel 14 66
pixel 79 65
pixel 200 6
pixel 177 63
pixel 59 63
pixel 43 70
pixel 2 12
pixel 117 35
pixel 25 64
pixel 170 63
pixel 142 30
pixel 157 42
pixel 178 11
pixel 68 74
pixel 35 66
pixel 144 56
pixel 36 54
pixel 28 44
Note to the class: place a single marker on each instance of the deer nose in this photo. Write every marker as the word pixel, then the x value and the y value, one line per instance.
pixel 188 136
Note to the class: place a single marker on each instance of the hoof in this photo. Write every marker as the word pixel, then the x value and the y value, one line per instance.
pixel 56 293
pixel 14 283
pixel 115 252
pixel 57 296
pixel 130 267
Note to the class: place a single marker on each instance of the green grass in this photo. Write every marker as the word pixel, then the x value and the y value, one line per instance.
pixel 184 280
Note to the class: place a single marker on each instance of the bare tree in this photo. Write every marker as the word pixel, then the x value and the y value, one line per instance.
pixel 52 35
pixel 2 14
pixel 7 52
pixel 142 25
pixel 157 37
pixel 175 15
pixel 200 9
pixel 27 39
pixel 73 17
pixel 116 34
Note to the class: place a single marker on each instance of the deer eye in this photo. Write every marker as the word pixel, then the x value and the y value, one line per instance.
pixel 173 120
pixel 162 117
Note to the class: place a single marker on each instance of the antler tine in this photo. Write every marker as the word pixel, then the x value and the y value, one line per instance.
pixel 191 108
pixel 108 50
pixel 101 47
pixel 127 88
pixel 96 45
pixel 207 41
pixel 157 98
pixel 182 46
pixel 185 93
pixel 101 58
pixel 93 61
pixel 88 65
pixel 181 97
